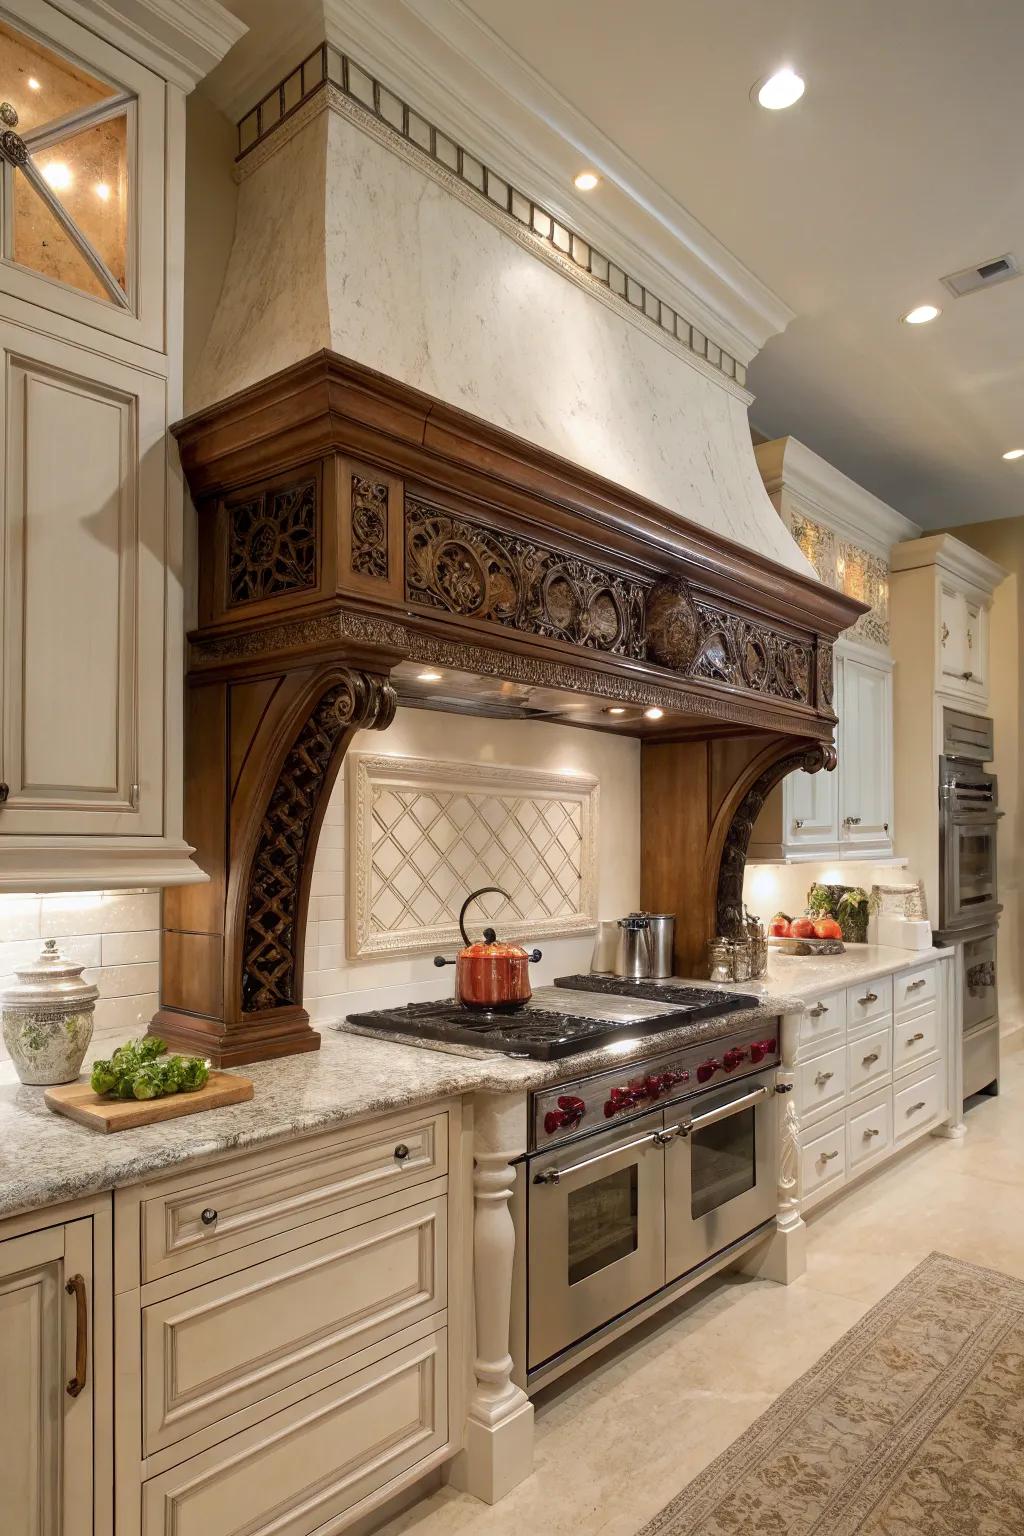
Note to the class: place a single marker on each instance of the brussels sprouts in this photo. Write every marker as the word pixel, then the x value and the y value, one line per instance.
pixel 148 1082
pixel 195 1073
pixel 104 1077
pixel 139 1070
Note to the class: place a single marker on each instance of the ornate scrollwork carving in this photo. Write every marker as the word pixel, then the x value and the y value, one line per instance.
pixel 272 543
pixel 271 937
pixel 825 677
pixel 747 655
pixel 673 626
pixel 370 527
pixel 464 568
pixel 729 903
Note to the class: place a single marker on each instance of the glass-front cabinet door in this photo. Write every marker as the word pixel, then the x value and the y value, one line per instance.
pixel 81 153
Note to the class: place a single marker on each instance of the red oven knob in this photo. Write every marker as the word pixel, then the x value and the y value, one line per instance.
pixel 732 1058
pixel 760 1049
pixel 707 1070
pixel 672 1077
pixel 567 1116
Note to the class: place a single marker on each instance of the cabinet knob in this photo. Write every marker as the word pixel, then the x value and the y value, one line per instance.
pixel 871 1130
pixel 797 823
pixel 401 1151
pixel 869 997
pixel 817 1011
pixel 5 790
pixel 826 1157
pixel 822 1078
pixel 208 1217
pixel 967 676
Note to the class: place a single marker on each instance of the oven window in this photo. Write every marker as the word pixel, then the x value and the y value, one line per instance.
pixel 976 863
pixel 723 1162
pixel 603 1223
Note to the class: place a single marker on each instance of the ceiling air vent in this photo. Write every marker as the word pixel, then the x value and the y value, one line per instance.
pixel 997 270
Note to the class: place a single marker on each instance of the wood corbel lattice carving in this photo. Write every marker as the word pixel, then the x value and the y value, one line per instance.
pixel 729 900
pixel 273 930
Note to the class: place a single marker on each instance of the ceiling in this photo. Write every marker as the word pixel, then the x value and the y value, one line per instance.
pixel 902 163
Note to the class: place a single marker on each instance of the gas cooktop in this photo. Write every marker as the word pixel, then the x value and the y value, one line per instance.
pixel 682 993
pixel 555 1023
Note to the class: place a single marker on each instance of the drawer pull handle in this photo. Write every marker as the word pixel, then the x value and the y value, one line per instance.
pixel 922 981
pixel 817 1011
pixel 826 1157
pixel 208 1217
pixel 915 1107
pixel 868 1060
pixel 823 1077
pixel 872 1130
pixel 401 1152
pixel 913 1039
pixel 869 997
pixel 76 1287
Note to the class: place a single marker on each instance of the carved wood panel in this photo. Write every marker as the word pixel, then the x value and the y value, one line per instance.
pixel 465 568
pixel 272 932
pixel 748 655
pixel 272 543
pixel 729 902
pixel 370 513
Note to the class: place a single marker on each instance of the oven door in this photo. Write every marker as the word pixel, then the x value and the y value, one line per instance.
pixel 720 1171
pixel 969 867
pixel 596 1220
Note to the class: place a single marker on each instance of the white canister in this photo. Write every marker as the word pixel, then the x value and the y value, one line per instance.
pixel 47 1018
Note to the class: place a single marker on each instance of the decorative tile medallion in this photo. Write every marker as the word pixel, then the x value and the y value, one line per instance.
pixel 423 834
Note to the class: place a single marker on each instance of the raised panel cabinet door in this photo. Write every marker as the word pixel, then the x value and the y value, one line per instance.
pixel 82 189
pixel 45 1428
pixel 810 809
pixel 952 637
pixel 865 767
pixel 83 525
pixel 975 647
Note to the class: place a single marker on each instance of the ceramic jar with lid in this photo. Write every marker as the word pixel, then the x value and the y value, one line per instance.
pixel 47 1018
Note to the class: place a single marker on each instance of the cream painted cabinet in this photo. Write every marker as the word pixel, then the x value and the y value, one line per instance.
pixel 865 756
pixel 48 1382
pixel 962 652
pixel 81 736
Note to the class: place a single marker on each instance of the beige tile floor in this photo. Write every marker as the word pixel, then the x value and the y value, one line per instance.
pixel 619 1437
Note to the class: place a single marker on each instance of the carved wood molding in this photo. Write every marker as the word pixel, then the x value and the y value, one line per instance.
pixel 732 866
pixel 271 546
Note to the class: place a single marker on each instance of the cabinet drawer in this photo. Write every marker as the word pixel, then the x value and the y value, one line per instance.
pixel 912 988
pixel 823 1158
pixel 918 1104
pixel 869 1003
pixel 222 1346
pixel 274 1194
pixel 823 1020
pixel 869 1060
pixel 915 1039
pixel 869 1129
pixel 822 1084
pixel 300 1470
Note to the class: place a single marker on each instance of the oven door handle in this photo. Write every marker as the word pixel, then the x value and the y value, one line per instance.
pixel 554 1175
pixel 723 1111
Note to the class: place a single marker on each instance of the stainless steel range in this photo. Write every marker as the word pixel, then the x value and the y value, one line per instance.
pixel 639 1180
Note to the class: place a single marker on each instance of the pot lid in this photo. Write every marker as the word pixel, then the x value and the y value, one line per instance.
pixel 49 980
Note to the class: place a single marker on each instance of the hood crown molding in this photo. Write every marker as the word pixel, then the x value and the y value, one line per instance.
pixel 441 58
pixel 181 40
pixel 828 496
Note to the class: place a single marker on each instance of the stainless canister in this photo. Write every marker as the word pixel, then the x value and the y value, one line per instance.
pixel 606 949
pixel 633 954
pixel 663 935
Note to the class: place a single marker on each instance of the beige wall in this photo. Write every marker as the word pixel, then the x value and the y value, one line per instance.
pixel 211 198
pixel 1003 541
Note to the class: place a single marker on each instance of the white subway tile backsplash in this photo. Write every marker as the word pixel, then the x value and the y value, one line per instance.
pixel 19 918
pixel 129 948
pixel 126 980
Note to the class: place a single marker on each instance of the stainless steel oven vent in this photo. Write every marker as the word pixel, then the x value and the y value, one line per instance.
pixel 968 737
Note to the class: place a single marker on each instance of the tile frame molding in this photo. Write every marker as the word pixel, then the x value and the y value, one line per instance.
pixel 366 770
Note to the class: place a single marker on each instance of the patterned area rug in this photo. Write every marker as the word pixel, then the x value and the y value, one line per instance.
pixel 912 1425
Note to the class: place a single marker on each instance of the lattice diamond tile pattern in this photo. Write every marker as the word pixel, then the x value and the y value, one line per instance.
pixel 426 834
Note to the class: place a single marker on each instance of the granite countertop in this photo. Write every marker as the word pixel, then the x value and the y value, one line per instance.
pixel 46 1158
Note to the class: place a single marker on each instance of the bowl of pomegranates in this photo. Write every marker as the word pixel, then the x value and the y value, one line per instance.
pixel 805 935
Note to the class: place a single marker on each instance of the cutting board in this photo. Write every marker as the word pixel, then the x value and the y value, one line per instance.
pixel 78 1101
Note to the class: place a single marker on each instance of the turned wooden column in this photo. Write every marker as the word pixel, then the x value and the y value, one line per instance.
pixel 263 752
pixel 498 1451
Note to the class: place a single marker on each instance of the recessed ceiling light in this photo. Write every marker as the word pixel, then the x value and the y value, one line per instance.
pixel 615 709
pixel 654 713
pixel 102 191
pixel 58 175
pixel 1014 453
pixel 780 90
pixel 33 83
pixel 586 181
pixel 922 314
pixel 428 677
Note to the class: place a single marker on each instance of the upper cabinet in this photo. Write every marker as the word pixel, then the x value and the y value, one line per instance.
pixel 944 589
pixel 83 176
pixel 91 495
pixel 848 535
